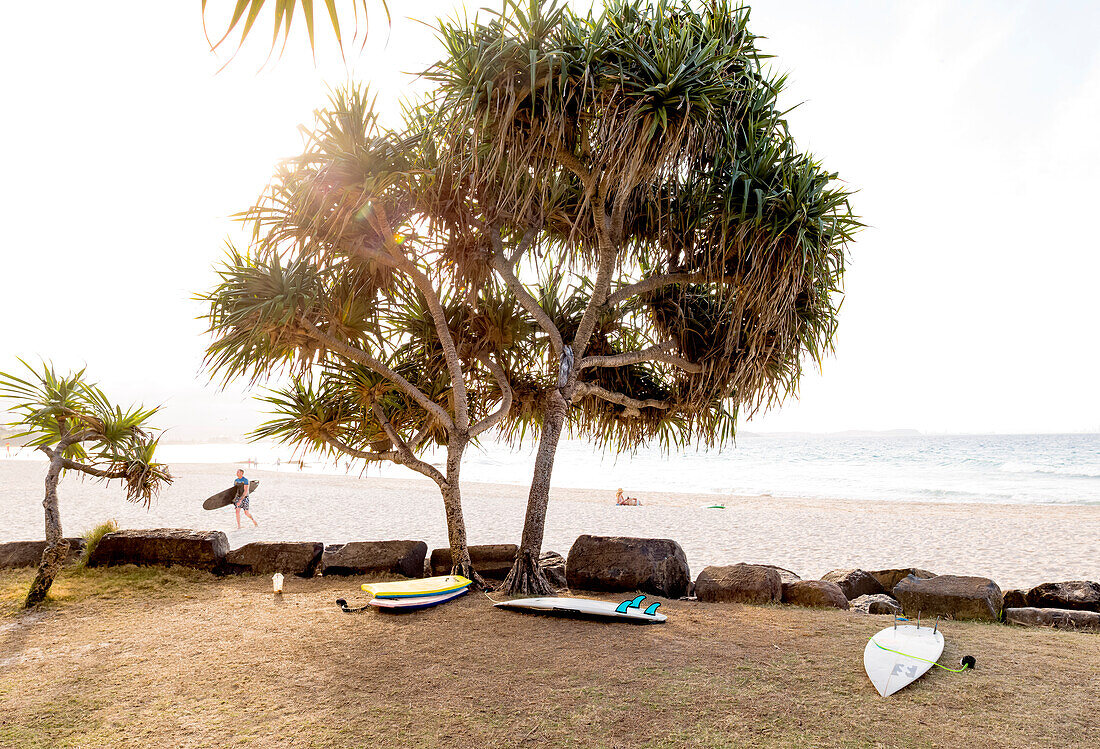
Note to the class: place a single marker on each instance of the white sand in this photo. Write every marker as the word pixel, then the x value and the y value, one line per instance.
pixel 1016 545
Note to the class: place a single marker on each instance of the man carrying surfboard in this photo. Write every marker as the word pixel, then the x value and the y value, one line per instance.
pixel 241 500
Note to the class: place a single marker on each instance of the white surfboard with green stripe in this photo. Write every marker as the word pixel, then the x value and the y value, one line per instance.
pixel 898 656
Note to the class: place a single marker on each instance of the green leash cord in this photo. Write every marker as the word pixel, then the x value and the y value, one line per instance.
pixel 965 665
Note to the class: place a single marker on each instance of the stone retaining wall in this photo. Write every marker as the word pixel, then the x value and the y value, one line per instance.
pixel 611 564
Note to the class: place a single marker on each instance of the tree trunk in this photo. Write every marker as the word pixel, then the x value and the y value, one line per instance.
pixel 456 525
pixel 525 577
pixel 57 548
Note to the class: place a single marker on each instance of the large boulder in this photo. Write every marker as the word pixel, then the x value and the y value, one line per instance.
pixel 785 576
pixel 1029 616
pixel 950 596
pixel 889 578
pixel 820 594
pixel 1015 599
pixel 854 583
pixel 615 563
pixel 373 557
pixel 740 583
pixel 491 560
pixel 552 565
pixel 162 547
pixel 260 558
pixel 29 553
pixel 1080 595
pixel 876 604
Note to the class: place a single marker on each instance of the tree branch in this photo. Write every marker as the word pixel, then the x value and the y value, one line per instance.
pixel 504 269
pixel 347 449
pixel 442 330
pixel 659 353
pixel 585 389
pixel 573 164
pixel 446 340
pixel 524 244
pixel 506 400
pixel 599 291
pixel 378 367
pixel 405 455
pixel 72 465
pixel 652 284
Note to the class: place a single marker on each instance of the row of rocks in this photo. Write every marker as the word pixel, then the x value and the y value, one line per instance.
pixel 607 563
pixel 659 566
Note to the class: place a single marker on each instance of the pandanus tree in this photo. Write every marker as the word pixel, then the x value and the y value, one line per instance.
pixel 388 352
pixel 697 253
pixel 72 422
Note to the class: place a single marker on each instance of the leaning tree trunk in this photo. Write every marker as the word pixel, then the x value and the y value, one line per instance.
pixel 456 525
pixel 57 548
pixel 526 577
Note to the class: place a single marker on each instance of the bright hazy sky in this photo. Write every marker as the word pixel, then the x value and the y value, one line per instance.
pixel 969 129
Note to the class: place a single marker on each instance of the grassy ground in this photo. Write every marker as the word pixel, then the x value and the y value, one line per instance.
pixel 140 657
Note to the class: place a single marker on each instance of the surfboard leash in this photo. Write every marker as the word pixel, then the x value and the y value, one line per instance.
pixel 967 662
pixel 347 609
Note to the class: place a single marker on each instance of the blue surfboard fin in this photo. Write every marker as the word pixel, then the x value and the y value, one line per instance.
pixel 634 604
pixel 652 610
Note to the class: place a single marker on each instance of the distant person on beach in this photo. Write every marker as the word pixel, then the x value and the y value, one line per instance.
pixel 241 501
pixel 621 500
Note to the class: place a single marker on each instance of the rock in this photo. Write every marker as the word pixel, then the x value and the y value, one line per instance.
pixel 204 550
pixel 879 603
pixel 292 558
pixel 367 557
pixel 29 553
pixel 615 563
pixel 950 596
pixel 889 578
pixel 491 560
pixel 854 583
pixel 1030 616
pixel 785 576
pixel 820 594
pixel 742 583
pixel 1080 595
pixel 552 565
pixel 1015 599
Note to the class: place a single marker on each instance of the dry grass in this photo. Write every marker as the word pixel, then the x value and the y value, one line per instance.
pixel 153 658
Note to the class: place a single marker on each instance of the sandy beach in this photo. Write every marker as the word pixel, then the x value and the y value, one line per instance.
pixel 1015 545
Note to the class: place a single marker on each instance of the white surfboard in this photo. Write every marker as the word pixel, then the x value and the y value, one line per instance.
pixel 898 656
pixel 587 607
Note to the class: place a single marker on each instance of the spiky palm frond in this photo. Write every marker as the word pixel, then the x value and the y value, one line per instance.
pixel 105 441
pixel 285 11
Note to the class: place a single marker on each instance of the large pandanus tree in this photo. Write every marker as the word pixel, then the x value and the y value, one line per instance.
pixel 639 153
pixel 72 422
pixel 388 352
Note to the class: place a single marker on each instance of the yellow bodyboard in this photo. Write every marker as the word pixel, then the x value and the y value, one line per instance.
pixel 428 586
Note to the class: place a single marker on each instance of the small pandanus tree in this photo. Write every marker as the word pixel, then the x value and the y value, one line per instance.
pixel 642 149
pixel 388 352
pixel 72 422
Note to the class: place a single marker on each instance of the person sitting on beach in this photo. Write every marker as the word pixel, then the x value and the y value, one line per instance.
pixel 241 500
pixel 621 500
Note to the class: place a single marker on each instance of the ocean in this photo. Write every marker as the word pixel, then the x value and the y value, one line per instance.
pixel 1012 469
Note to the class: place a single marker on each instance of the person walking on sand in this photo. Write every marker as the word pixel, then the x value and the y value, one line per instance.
pixel 241 501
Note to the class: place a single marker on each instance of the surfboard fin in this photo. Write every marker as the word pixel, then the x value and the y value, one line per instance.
pixel 634 604
pixel 652 610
